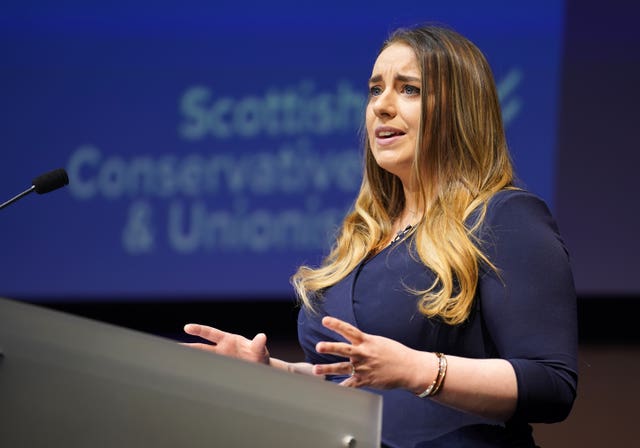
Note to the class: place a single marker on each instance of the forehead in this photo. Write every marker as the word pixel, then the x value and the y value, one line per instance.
pixel 396 58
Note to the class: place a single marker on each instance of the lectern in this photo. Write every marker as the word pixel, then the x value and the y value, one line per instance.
pixel 67 381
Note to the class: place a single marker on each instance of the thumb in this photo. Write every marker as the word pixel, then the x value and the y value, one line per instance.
pixel 259 344
pixel 260 338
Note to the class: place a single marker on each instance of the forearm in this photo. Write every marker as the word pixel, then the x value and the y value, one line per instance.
pixel 294 367
pixel 485 387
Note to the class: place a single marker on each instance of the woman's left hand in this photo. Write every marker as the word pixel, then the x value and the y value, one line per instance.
pixel 378 362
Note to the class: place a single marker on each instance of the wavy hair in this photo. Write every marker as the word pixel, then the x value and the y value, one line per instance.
pixel 461 160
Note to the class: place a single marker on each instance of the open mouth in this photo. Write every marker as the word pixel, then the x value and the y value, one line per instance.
pixel 386 133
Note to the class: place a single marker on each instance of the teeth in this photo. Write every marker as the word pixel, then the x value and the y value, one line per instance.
pixel 386 134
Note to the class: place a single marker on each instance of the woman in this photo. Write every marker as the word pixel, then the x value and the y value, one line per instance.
pixel 448 290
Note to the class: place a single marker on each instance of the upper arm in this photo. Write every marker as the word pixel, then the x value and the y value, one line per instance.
pixel 529 304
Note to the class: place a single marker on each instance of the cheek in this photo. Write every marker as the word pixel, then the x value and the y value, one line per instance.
pixel 369 118
pixel 370 124
pixel 415 120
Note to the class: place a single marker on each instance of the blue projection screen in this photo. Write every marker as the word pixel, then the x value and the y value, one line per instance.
pixel 214 147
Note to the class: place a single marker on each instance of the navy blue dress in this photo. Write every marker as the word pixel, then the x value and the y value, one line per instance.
pixel 526 315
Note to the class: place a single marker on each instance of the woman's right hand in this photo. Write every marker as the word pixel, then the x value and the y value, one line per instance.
pixel 230 344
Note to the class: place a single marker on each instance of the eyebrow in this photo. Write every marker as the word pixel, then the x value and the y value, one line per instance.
pixel 399 77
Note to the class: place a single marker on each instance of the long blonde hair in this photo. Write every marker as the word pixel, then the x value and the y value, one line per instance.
pixel 461 160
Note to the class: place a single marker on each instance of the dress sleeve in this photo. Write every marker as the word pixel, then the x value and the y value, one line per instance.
pixel 529 304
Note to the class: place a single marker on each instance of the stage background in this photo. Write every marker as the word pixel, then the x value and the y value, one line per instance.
pixel 213 147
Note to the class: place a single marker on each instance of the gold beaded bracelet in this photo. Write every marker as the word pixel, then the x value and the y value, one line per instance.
pixel 435 387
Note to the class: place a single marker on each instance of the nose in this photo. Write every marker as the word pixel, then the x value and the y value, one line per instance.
pixel 385 104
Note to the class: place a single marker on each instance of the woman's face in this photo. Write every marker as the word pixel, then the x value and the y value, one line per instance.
pixel 393 111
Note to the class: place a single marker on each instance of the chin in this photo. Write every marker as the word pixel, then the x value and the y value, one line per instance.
pixel 396 168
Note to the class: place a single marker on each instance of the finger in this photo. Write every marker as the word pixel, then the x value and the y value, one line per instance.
pixel 344 329
pixel 338 368
pixel 349 382
pixel 209 333
pixel 200 346
pixel 337 348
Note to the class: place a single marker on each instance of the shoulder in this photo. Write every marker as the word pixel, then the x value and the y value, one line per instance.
pixel 522 218
pixel 507 203
pixel 518 208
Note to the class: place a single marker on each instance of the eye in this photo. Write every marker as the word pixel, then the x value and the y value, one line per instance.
pixel 375 90
pixel 410 90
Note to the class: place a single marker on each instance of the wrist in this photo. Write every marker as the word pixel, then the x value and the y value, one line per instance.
pixel 435 386
pixel 425 371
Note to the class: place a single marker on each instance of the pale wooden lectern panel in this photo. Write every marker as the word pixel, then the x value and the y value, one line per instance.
pixel 67 381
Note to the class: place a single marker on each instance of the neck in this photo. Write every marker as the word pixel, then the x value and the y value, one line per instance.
pixel 412 211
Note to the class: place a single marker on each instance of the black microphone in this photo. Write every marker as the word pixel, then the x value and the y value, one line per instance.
pixel 43 184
